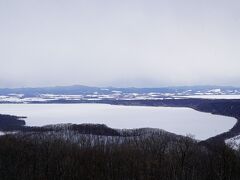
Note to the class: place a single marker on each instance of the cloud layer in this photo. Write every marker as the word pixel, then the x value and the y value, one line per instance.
pixel 120 43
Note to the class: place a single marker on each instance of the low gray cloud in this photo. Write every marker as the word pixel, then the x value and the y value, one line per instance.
pixel 120 43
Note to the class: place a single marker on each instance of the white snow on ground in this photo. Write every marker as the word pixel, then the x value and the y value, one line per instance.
pixel 233 142
pixel 7 132
pixel 20 98
pixel 168 94
pixel 117 91
pixel 11 99
pixel 18 95
pixel 57 97
pixel 215 91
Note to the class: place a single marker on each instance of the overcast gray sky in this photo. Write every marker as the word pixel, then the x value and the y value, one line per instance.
pixel 119 42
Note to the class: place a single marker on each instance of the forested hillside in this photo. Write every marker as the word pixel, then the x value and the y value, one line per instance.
pixel 156 156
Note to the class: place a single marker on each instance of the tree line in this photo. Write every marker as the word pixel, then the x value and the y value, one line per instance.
pixel 38 156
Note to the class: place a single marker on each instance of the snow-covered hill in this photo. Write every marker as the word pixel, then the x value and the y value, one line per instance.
pixel 85 93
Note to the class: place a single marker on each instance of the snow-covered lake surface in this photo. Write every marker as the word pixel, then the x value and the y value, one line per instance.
pixel 181 121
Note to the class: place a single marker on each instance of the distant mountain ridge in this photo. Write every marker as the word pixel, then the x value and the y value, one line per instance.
pixel 81 89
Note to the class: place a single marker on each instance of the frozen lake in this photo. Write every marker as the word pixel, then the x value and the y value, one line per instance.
pixel 181 121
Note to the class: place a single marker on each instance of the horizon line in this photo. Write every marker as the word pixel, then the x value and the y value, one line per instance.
pixel 119 87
